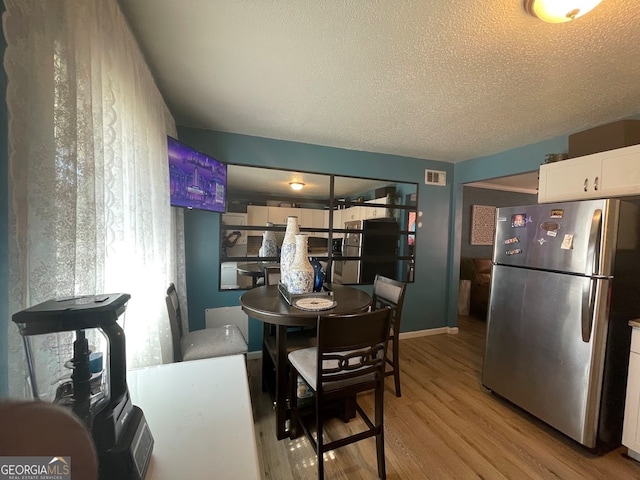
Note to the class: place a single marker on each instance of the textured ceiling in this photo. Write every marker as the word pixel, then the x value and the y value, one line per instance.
pixel 441 79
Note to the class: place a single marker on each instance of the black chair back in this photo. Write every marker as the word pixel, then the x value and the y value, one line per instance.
pixel 349 358
pixel 350 347
pixel 389 293
pixel 271 275
pixel 175 321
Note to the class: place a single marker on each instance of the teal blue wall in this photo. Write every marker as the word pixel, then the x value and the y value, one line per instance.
pixel 4 228
pixel 426 298
pixel 512 162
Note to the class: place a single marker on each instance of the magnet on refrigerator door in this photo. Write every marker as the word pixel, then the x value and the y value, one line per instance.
pixel 567 242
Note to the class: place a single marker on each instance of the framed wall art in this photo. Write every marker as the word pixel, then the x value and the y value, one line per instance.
pixel 483 224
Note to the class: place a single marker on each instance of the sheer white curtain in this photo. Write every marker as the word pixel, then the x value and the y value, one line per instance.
pixel 89 205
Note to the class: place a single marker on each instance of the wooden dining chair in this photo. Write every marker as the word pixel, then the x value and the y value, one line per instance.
pixel 206 343
pixel 271 274
pixel 348 359
pixel 389 293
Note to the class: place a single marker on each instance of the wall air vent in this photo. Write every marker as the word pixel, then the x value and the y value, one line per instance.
pixel 435 177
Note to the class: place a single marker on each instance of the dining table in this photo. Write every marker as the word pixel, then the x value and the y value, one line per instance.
pixel 255 270
pixel 268 305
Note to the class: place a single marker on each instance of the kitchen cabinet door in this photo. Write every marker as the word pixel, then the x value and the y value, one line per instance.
pixel 309 217
pixel 573 179
pixel 376 212
pixel 305 217
pixel 631 428
pixel 257 215
pixel 353 213
pixel 338 221
pixel 614 173
pixel 278 215
pixel 317 217
pixel 621 172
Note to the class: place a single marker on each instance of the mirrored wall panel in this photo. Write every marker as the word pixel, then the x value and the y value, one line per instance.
pixel 356 227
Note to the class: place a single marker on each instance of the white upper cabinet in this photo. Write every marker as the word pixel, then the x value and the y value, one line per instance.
pixel 318 218
pixel 376 212
pixel 631 428
pixel 614 173
pixel 574 179
pixel 621 172
pixel 311 218
pixel 353 213
pixel 258 215
pixel 279 215
pixel 338 221
pixel 307 217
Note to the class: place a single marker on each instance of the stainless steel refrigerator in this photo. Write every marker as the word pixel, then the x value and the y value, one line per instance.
pixel 565 282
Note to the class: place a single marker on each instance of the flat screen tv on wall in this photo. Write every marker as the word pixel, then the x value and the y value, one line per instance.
pixel 196 180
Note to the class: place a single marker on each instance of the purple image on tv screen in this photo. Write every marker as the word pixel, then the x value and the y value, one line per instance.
pixel 196 180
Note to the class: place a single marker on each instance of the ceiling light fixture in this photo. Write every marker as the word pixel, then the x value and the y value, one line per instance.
pixel 559 11
pixel 296 185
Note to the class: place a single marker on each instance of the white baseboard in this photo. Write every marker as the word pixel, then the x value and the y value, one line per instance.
pixel 430 331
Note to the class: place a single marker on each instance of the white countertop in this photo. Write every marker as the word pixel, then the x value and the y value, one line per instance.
pixel 199 413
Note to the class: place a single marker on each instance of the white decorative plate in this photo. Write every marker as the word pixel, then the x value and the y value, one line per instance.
pixel 314 303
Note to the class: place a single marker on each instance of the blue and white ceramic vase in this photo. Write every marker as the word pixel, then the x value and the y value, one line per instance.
pixel 301 275
pixel 288 248
pixel 269 247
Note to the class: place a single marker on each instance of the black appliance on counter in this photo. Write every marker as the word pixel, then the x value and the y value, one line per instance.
pixel 336 247
pixel 375 241
pixel 76 357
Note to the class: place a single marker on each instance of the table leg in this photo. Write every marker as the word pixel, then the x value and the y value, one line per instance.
pixel 266 358
pixel 281 381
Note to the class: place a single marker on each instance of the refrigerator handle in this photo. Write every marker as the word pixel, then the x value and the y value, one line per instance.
pixel 588 291
pixel 594 243
pixel 588 302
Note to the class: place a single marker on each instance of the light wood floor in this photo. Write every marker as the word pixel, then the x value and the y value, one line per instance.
pixel 445 426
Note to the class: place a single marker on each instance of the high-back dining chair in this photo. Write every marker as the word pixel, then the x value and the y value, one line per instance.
pixel 271 274
pixel 206 343
pixel 348 359
pixel 389 293
pixel 271 277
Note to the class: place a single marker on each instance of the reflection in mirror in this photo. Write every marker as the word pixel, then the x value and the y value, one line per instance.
pixel 366 227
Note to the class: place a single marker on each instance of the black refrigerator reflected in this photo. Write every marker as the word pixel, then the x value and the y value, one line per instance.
pixel 375 241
